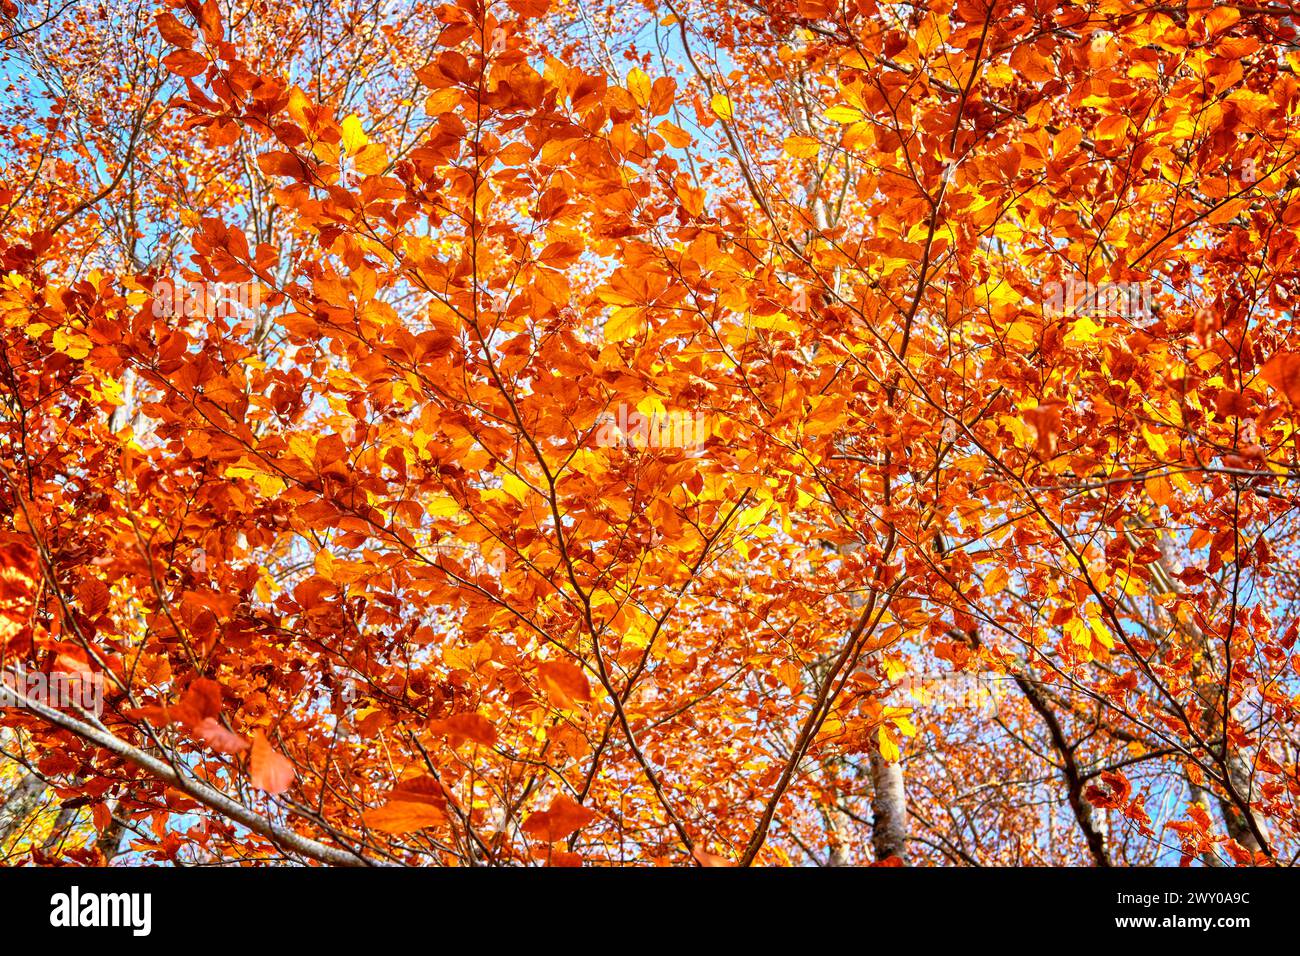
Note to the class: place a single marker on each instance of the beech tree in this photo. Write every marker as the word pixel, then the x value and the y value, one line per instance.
pixel 691 432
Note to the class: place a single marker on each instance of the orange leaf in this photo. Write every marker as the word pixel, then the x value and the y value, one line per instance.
pixel 1046 422
pixel 414 804
pixel 185 63
pixel 278 163
pixel 705 858
pixel 160 716
pixel 269 770
pixel 400 817
pixel 202 701
pixel 563 817
pixel 564 858
pixel 564 683
pixel 473 727
pixel 661 95
pixel 219 738
pixel 1282 371
pixel 173 31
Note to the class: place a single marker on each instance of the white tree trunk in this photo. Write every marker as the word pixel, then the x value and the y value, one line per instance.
pixel 889 809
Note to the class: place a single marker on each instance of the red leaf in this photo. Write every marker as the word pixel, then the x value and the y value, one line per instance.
pixel 202 701
pixel 278 163
pixel 92 595
pixel 18 568
pixel 185 63
pixel 210 21
pixel 174 32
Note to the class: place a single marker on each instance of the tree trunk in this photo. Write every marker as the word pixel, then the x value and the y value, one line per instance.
pixel 59 832
pixel 1198 795
pixel 889 809
pixel 1234 819
pixel 110 841
pixel 20 805
pixel 1240 826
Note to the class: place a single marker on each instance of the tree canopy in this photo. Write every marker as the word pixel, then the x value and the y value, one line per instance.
pixel 718 432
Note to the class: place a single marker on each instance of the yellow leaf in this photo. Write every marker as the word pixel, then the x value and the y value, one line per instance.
pixel 1084 330
pixel 1159 444
pixel 269 485
pixel 801 147
pixel 752 516
pixel 73 345
pixel 905 726
pixel 721 106
pixel 638 84
pixel 442 506
pixel 1101 633
pixel 354 137
pixel 622 325
pixel 996 581
pixel 1066 140
pixel 888 749
pixel 843 114
pixel 515 487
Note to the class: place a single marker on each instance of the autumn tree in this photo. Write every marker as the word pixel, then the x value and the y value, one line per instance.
pixel 696 432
